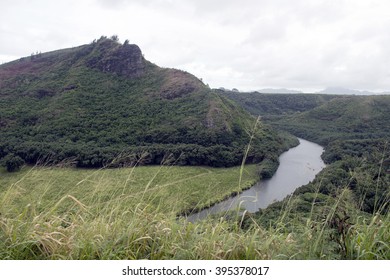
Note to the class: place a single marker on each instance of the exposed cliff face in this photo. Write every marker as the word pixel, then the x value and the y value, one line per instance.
pixel 110 57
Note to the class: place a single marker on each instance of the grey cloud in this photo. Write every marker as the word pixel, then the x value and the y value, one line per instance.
pixel 247 44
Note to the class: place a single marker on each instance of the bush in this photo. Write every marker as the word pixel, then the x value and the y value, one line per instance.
pixel 13 162
pixel 269 167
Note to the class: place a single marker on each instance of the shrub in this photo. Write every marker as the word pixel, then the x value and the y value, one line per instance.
pixel 13 162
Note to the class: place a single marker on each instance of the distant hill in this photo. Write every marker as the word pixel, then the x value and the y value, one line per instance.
pixel 266 105
pixel 321 117
pixel 343 118
pixel 278 90
pixel 340 90
pixel 104 104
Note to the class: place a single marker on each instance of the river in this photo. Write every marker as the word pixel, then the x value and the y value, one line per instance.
pixel 298 166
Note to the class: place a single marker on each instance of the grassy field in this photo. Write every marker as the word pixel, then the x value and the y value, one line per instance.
pixel 131 213
pixel 166 188
pixel 75 213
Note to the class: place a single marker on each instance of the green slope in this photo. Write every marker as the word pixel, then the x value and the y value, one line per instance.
pixel 103 103
pixel 343 118
pixel 273 105
pixel 321 118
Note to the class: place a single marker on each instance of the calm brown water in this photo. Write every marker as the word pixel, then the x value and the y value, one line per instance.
pixel 298 166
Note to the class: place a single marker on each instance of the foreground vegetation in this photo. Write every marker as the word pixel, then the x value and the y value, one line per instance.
pixel 132 213
pixel 113 213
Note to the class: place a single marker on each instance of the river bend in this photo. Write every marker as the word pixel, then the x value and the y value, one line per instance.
pixel 298 166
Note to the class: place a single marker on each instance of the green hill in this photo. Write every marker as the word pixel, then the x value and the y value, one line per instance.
pixel 321 118
pixel 342 118
pixel 266 104
pixel 104 104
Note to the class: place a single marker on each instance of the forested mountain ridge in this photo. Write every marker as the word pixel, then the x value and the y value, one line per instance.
pixel 104 103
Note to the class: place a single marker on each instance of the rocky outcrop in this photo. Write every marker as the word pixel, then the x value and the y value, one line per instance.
pixel 111 57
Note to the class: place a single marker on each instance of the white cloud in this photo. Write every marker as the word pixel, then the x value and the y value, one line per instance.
pixel 248 44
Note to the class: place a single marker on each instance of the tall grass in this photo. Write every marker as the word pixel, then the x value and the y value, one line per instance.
pixel 131 213
pixel 67 213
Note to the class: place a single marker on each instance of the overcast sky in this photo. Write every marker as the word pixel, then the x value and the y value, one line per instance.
pixel 246 44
